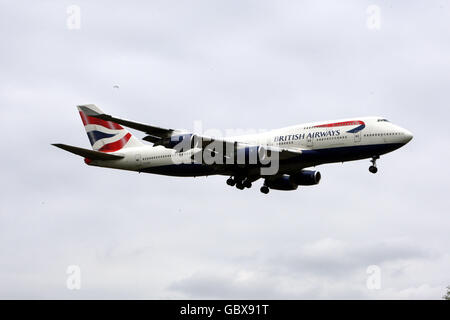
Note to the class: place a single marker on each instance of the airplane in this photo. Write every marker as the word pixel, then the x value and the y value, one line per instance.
pixel 280 157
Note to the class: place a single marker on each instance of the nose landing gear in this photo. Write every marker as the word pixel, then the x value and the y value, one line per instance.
pixel 373 168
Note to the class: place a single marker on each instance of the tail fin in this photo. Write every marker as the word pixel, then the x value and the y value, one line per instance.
pixel 105 136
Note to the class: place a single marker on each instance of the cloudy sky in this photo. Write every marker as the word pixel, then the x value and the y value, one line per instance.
pixel 231 65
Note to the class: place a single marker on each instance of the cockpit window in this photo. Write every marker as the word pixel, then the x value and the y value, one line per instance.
pixel 383 120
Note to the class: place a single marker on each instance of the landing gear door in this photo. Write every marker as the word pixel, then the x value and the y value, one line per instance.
pixel 357 137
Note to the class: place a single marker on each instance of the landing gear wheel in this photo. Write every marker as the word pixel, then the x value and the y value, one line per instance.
pixel 264 189
pixel 231 182
pixel 247 184
pixel 373 167
pixel 240 185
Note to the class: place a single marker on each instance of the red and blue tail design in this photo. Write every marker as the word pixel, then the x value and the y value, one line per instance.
pixel 105 136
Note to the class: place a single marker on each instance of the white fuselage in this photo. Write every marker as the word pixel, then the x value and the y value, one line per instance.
pixel 320 142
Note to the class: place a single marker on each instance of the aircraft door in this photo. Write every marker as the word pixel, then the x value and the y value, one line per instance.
pixel 358 136
pixel 138 161
pixel 309 141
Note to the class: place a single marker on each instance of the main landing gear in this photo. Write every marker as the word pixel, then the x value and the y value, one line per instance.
pixel 264 189
pixel 231 182
pixel 373 168
pixel 241 184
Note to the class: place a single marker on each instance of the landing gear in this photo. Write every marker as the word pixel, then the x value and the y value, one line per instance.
pixel 373 168
pixel 240 185
pixel 264 189
pixel 231 181
pixel 239 182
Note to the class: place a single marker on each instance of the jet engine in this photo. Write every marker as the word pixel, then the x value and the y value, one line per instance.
pixel 283 182
pixel 306 178
pixel 291 182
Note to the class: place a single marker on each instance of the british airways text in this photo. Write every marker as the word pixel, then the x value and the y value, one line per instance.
pixel 301 136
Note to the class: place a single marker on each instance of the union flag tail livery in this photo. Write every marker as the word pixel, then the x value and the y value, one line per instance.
pixel 279 157
pixel 105 136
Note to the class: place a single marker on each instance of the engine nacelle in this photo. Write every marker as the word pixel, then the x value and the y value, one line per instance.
pixel 283 182
pixel 291 182
pixel 306 178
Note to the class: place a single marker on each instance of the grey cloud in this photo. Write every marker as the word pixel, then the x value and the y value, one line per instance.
pixel 329 257
pixel 323 269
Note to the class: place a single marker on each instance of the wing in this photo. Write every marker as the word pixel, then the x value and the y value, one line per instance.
pixel 213 144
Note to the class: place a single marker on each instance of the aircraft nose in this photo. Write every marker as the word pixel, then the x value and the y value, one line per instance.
pixel 408 135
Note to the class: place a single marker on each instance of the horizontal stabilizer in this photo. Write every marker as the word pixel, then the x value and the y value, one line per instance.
pixel 90 154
